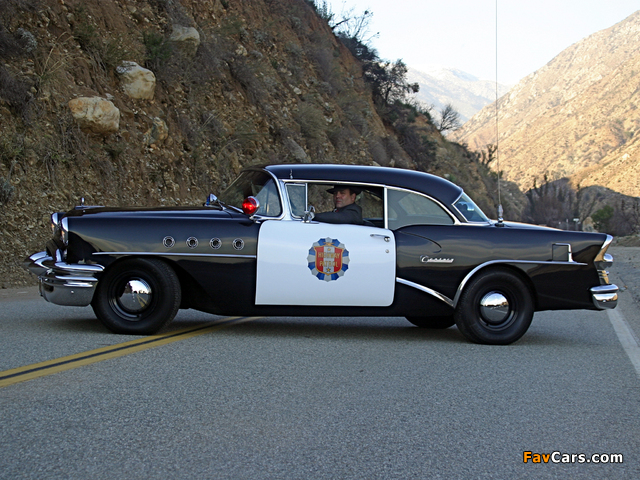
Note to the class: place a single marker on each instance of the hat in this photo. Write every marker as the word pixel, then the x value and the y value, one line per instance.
pixel 352 189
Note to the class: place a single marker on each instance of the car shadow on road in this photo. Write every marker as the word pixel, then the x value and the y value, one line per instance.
pixel 370 329
pixel 339 328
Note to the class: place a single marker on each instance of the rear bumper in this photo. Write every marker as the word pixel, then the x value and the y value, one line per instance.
pixel 63 283
pixel 605 296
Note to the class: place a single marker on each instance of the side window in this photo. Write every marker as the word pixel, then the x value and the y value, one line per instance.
pixel 407 208
pixel 297 193
pixel 369 198
pixel 372 204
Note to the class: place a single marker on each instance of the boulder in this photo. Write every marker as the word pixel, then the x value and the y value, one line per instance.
pixel 95 114
pixel 185 39
pixel 158 132
pixel 137 82
pixel 296 151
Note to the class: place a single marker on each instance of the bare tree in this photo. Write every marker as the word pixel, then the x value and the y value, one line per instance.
pixel 351 25
pixel 449 119
pixel 489 155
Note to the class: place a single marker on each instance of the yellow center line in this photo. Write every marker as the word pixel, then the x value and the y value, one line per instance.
pixel 49 367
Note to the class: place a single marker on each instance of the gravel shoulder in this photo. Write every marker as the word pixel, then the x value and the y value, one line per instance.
pixel 626 266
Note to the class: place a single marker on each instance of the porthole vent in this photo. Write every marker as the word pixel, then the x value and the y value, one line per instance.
pixel 192 242
pixel 168 242
pixel 238 244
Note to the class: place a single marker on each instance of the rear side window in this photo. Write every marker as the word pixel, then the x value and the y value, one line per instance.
pixel 408 208
pixel 470 210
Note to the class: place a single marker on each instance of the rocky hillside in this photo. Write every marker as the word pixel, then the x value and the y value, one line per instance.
pixel 149 102
pixel 577 117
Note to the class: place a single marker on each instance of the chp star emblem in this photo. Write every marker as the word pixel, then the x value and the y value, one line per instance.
pixel 328 259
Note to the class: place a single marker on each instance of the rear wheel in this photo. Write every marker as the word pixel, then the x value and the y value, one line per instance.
pixel 495 308
pixel 137 296
pixel 439 322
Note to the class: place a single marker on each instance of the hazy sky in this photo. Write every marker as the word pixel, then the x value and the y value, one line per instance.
pixel 462 33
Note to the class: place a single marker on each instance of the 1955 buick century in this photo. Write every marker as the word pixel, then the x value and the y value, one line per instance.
pixel 423 250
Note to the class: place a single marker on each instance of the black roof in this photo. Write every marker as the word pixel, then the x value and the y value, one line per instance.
pixel 426 183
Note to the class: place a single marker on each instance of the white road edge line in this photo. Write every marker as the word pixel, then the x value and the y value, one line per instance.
pixel 627 338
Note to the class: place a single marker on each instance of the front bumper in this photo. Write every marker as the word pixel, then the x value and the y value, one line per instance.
pixel 605 296
pixel 63 283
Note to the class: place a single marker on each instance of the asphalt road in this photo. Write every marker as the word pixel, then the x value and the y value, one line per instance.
pixel 293 398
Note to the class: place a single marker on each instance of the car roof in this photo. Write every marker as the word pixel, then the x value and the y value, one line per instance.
pixel 422 182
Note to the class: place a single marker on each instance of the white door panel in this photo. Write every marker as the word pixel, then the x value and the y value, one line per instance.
pixel 325 264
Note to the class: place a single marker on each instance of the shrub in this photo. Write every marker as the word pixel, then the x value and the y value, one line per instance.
pixel 418 146
pixel 17 44
pixel 159 50
pixel 6 191
pixel 16 94
pixel 378 152
pixel 602 218
pixel 340 137
pixel 311 120
pixel 244 74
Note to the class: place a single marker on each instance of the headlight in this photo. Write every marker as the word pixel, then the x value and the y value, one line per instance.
pixel 54 222
pixel 64 230
pixel 60 228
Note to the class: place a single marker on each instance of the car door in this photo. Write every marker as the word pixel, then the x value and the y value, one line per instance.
pixel 426 238
pixel 321 264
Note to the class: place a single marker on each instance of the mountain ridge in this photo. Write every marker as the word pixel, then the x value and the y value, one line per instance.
pixel 442 85
pixel 575 117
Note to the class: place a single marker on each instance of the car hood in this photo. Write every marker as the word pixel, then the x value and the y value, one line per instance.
pixel 153 212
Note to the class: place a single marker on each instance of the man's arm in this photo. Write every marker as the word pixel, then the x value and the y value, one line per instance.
pixel 349 214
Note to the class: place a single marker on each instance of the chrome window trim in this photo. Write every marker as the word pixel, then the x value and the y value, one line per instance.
pixel 385 189
pixel 428 197
pixel 453 205
pixel 168 254
pixel 262 218
pixel 385 206
pixel 287 200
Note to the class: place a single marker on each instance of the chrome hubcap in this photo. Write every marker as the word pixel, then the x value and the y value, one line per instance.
pixel 136 296
pixel 494 308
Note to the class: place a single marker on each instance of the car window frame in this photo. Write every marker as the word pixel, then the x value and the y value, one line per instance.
pixel 284 206
pixel 388 188
pixel 288 213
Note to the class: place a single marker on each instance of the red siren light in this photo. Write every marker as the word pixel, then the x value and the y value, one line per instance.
pixel 250 205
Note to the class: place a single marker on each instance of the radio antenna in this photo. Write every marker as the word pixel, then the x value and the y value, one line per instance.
pixel 500 211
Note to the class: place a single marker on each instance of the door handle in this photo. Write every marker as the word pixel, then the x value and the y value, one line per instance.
pixel 384 237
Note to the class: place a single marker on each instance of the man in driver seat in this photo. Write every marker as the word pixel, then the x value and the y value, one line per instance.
pixel 346 211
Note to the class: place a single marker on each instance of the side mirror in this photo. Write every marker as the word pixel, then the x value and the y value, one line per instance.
pixel 211 200
pixel 309 214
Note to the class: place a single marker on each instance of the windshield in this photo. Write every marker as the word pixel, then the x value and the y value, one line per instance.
pixel 257 184
pixel 470 210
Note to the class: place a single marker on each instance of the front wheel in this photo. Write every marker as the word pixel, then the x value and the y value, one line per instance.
pixel 137 296
pixel 496 308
